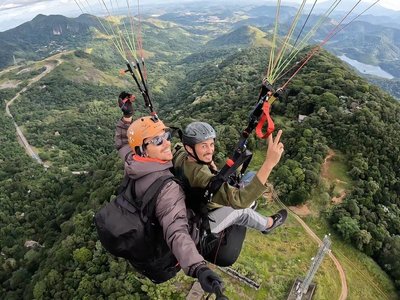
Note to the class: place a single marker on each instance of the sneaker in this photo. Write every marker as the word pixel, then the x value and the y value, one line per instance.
pixel 279 218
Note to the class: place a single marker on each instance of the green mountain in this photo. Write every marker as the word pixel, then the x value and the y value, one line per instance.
pixel 264 15
pixel 366 40
pixel 243 36
pixel 371 44
pixel 168 40
pixel 46 35
pixel 69 117
pixel 43 36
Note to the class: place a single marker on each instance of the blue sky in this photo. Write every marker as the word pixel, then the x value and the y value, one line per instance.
pixel 16 12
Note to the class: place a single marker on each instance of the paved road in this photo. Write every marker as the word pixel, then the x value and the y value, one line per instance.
pixel 29 150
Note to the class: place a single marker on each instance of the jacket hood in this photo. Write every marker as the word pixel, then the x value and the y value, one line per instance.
pixel 137 167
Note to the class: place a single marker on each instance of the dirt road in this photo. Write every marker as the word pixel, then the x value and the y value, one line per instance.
pixel 326 164
pixel 342 275
pixel 9 69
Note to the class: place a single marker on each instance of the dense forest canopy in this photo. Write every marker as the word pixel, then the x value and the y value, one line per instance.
pixel 69 117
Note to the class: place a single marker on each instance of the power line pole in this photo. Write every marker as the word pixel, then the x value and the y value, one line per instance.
pixel 316 262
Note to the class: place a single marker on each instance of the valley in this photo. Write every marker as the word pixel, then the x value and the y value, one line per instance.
pixel 341 159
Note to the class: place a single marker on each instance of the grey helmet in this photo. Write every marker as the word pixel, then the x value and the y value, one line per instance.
pixel 197 132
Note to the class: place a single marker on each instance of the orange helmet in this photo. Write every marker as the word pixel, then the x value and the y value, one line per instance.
pixel 141 129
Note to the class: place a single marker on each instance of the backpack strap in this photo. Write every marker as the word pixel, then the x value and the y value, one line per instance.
pixel 143 204
pixel 148 201
pixel 123 185
pixel 147 211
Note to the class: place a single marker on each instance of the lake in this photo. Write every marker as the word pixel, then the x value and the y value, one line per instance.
pixel 366 69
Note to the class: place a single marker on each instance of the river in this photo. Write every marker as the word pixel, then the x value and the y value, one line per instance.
pixel 367 69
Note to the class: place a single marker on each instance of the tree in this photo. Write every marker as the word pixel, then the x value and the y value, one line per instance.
pixel 298 196
pixel 390 258
pixel 362 238
pixel 82 255
pixel 348 227
pixel 352 207
pixel 39 290
pixel 19 279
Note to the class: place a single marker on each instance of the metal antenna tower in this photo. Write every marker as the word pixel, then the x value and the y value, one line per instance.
pixel 316 262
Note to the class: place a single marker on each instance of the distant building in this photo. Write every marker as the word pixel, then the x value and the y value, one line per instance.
pixel 32 244
pixel 301 118
pixel 79 172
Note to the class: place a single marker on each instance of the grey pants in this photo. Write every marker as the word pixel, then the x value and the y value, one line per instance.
pixel 226 216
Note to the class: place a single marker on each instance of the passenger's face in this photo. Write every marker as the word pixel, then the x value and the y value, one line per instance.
pixel 159 146
pixel 205 150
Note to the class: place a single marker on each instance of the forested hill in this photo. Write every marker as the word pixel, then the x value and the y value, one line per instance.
pixel 43 36
pixel 376 45
pixel 49 248
pixel 243 36
pixel 343 112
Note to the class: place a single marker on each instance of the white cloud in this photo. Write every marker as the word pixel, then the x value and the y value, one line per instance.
pixel 392 4
pixel 9 6
pixel 15 12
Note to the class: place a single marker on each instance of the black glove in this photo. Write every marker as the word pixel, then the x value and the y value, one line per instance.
pixel 208 279
pixel 125 103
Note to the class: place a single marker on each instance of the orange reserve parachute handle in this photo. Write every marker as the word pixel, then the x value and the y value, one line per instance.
pixel 265 117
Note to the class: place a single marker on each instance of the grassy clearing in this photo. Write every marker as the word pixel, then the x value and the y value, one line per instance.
pixel 259 37
pixel 337 173
pixel 81 70
pixel 338 168
pixel 365 279
pixel 278 259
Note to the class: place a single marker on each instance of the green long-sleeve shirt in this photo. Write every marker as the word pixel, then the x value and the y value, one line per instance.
pixel 199 175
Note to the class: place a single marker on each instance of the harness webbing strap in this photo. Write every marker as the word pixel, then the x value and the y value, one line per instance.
pixel 265 116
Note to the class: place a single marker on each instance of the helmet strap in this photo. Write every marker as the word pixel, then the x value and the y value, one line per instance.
pixel 139 150
pixel 195 156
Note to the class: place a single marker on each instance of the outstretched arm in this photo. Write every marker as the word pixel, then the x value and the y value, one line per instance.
pixel 171 214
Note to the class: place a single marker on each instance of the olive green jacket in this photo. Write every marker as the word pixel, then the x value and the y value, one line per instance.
pixel 199 175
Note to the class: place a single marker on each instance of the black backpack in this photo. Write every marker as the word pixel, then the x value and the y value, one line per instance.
pixel 127 227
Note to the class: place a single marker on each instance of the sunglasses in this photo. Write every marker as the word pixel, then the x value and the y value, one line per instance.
pixel 159 140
